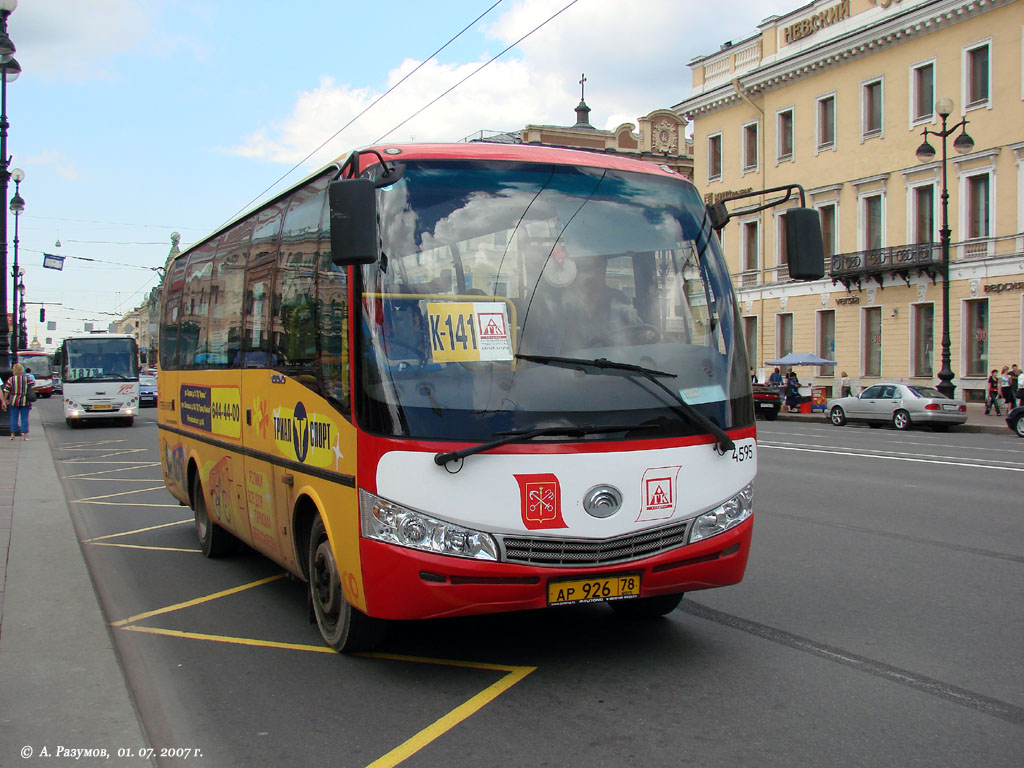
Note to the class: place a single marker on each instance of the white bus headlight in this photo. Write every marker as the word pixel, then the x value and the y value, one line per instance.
pixel 392 523
pixel 727 515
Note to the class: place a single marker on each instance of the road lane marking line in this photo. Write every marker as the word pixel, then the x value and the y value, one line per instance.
pixel 129 504
pixel 881 452
pixel 978 702
pixel 142 546
pixel 89 475
pixel 197 601
pixel 138 530
pixel 122 493
pixel 897 458
pixel 228 639
pixel 447 722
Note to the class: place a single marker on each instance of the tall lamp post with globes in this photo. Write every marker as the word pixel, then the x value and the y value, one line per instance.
pixel 9 71
pixel 17 206
pixel 926 153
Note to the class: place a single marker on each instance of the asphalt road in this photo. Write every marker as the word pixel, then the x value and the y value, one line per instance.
pixel 879 624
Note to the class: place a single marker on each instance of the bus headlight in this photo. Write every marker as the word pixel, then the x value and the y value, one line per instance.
pixel 727 515
pixel 392 523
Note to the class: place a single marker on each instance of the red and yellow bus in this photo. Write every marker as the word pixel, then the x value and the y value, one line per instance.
pixel 444 380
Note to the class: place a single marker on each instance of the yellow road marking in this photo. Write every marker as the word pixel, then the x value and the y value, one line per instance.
pixel 87 499
pixel 449 721
pixel 197 601
pixel 137 530
pixel 228 639
pixel 141 465
pixel 141 546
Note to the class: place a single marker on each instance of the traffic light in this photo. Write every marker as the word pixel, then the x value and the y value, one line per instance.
pixel 42 314
pixel 24 339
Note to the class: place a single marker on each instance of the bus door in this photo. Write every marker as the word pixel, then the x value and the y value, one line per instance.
pixel 262 421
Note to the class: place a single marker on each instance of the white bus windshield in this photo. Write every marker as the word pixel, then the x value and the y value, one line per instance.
pixel 492 271
pixel 100 359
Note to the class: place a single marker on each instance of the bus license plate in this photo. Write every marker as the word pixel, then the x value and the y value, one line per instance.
pixel 101 407
pixel 594 589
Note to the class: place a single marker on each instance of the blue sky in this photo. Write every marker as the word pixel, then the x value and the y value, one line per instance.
pixel 136 118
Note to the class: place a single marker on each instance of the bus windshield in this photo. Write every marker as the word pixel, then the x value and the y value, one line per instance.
pixel 100 359
pixel 495 274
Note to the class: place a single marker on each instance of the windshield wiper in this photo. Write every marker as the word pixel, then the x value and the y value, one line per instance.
pixel 520 437
pixel 603 365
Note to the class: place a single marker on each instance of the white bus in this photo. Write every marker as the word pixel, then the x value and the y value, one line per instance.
pixel 101 377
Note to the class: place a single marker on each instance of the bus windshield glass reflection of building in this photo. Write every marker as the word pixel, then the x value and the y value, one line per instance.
pixel 576 262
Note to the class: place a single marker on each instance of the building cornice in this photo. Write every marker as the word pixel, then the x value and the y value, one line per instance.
pixel 890 30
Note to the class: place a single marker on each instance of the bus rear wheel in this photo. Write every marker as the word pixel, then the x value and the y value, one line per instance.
pixel 342 627
pixel 213 540
pixel 646 607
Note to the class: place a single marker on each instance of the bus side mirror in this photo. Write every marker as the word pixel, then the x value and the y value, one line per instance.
pixel 353 205
pixel 805 251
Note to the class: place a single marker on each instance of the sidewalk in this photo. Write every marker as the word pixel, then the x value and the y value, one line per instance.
pixel 61 684
pixel 977 421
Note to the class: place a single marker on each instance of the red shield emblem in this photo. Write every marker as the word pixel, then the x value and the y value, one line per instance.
pixel 541 501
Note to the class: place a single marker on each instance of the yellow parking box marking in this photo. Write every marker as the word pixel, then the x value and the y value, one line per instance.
pixel 142 546
pixel 453 718
pixel 228 639
pixel 137 530
pixel 196 601
pixel 94 499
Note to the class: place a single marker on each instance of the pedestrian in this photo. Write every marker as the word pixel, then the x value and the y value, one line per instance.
pixel 793 393
pixel 1020 386
pixel 992 393
pixel 776 378
pixel 16 389
pixel 844 384
pixel 1006 388
pixel 753 376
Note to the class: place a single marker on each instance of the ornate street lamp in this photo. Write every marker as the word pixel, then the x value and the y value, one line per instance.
pixel 17 206
pixel 926 153
pixel 9 71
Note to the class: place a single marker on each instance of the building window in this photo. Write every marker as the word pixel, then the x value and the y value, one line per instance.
pixel 784 335
pixel 750 336
pixel 827 340
pixel 924 214
pixel 785 130
pixel 871 212
pixel 978 206
pixel 922 91
pixel 924 340
pixel 714 157
pixel 977 337
pixel 781 256
pixel 828 229
pixel 750 147
pixel 749 256
pixel 977 75
pixel 827 122
pixel 873 341
pixel 871 109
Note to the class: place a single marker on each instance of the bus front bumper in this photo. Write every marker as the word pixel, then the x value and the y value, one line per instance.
pixel 402 583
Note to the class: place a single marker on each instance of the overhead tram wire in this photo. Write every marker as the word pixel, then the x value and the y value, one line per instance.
pixel 370 106
pixel 492 60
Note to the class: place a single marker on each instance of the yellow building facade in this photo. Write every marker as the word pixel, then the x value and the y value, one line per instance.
pixel 835 96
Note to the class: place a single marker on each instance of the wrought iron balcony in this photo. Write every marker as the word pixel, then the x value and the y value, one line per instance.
pixel 898 261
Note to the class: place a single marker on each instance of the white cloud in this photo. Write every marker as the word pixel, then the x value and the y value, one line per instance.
pixel 634 63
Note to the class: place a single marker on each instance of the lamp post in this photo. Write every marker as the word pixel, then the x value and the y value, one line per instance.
pixel 17 206
pixel 9 71
pixel 926 153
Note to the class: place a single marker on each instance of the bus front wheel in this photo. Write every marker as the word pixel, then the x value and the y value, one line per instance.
pixel 343 627
pixel 213 540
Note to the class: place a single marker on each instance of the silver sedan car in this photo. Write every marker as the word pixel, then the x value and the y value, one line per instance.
pixel 901 405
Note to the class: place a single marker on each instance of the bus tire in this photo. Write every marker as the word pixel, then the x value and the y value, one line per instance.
pixel 129 421
pixel 342 627
pixel 646 607
pixel 213 540
pixel 72 423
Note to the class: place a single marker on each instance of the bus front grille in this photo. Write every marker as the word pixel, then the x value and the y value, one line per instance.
pixel 576 552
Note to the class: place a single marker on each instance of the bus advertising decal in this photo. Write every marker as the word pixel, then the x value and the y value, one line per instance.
pixel 261 509
pixel 309 438
pixel 659 493
pixel 541 501
pixel 216 410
